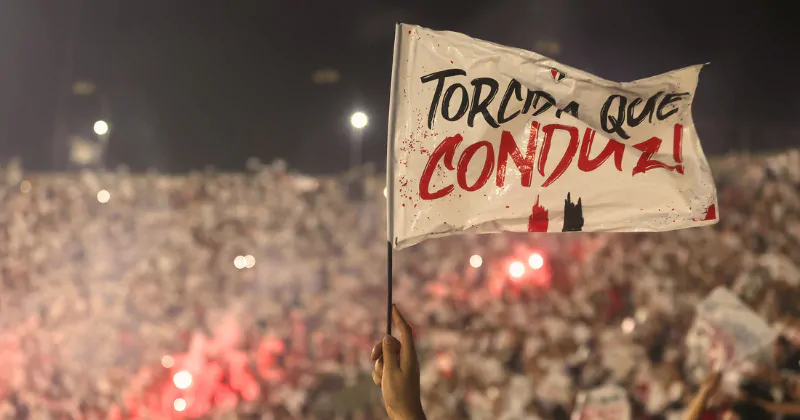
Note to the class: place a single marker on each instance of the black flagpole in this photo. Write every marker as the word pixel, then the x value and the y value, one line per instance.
pixel 389 291
pixel 390 177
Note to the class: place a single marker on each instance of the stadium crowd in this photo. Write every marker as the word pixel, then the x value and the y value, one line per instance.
pixel 259 295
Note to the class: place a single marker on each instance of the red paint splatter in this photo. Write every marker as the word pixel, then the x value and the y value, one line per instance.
pixel 539 218
pixel 711 213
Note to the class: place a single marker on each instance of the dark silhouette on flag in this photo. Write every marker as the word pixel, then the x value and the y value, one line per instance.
pixel 573 215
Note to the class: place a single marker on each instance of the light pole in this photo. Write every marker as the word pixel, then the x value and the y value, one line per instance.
pixel 358 121
pixel 101 129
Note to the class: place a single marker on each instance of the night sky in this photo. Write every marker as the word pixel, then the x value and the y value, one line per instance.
pixel 193 83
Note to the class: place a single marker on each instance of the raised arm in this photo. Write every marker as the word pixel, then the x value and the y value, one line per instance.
pixel 700 400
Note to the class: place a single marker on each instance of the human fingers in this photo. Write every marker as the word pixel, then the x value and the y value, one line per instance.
pixel 408 354
pixel 377 373
pixel 713 380
pixel 391 355
pixel 377 351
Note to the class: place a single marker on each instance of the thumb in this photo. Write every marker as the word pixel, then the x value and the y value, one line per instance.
pixel 391 354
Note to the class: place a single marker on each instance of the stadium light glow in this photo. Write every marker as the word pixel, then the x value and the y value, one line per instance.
pixel 103 196
pixel 475 261
pixel 179 404
pixel 182 379
pixel 536 261
pixel 249 261
pixel 167 361
pixel 240 262
pixel 100 127
pixel 516 269
pixel 359 120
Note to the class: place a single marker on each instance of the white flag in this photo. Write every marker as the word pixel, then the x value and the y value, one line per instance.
pixel 733 330
pixel 488 138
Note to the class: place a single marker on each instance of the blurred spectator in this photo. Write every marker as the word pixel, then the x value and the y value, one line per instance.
pixel 787 356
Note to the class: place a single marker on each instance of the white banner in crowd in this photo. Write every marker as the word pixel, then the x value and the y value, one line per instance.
pixel 488 138
pixel 608 402
pixel 734 331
